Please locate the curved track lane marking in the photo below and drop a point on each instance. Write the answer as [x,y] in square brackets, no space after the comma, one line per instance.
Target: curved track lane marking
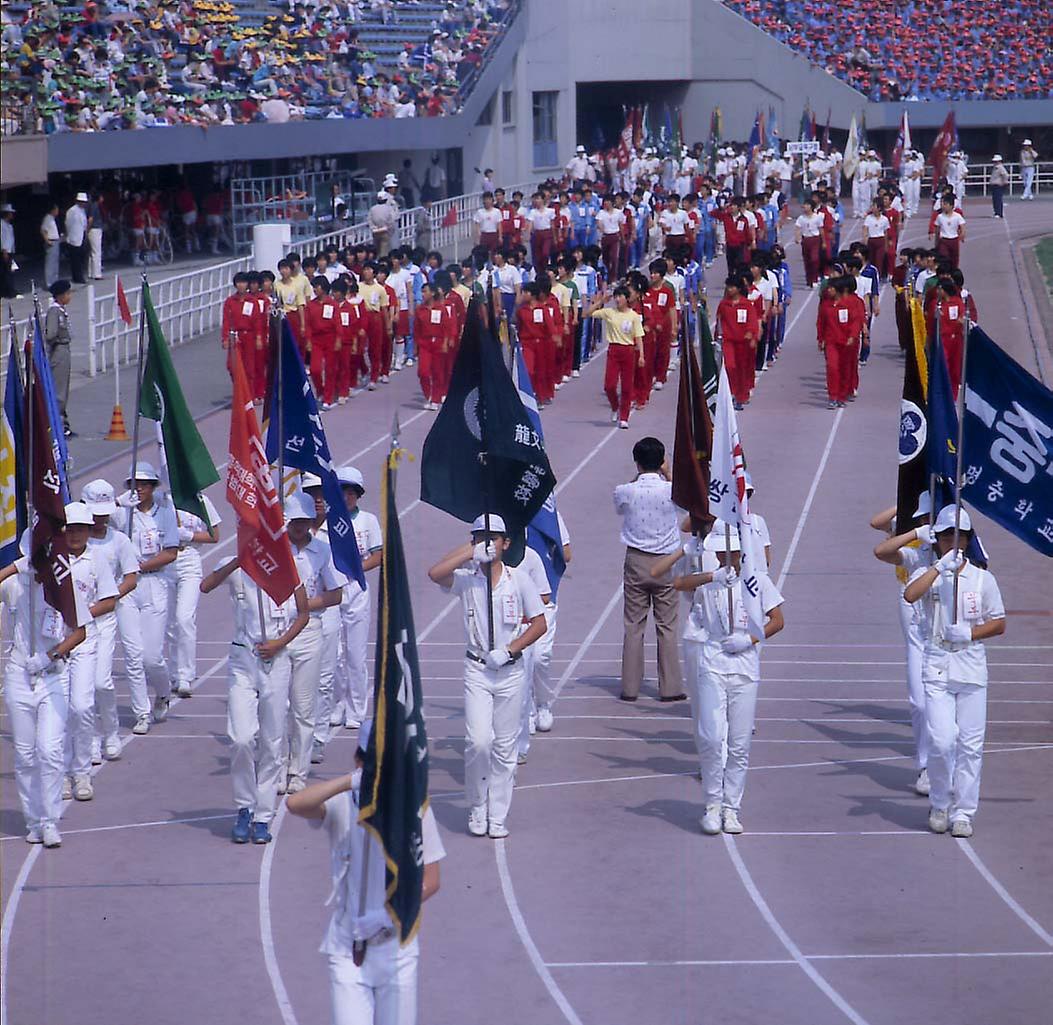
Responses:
[270,957]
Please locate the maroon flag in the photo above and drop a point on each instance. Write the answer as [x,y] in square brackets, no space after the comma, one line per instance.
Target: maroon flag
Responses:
[693,443]
[942,146]
[625,141]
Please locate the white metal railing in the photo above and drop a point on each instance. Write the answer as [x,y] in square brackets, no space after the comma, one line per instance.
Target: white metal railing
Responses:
[978,178]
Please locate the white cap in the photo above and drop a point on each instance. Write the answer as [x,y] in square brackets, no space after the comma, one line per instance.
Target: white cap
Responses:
[78,514]
[716,539]
[144,471]
[997,158]
[580,149]
[82,197]
[299,506]
[383,195]
[6,208]
[924,505]
[351,476]
[497,525]
[1027,142]
[310,480]
[365,731]
[945,520]
[97,495]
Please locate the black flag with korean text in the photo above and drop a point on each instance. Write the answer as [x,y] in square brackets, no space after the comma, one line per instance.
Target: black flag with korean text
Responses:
[913,424]
[483,414]
[394,793]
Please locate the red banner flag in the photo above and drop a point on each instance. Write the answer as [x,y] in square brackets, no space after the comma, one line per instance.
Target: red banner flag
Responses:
[625,141]
[122,304]
[264,552]
[450,218]
[942,146]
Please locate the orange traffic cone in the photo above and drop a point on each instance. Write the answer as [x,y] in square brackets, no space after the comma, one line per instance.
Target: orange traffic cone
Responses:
[118,432]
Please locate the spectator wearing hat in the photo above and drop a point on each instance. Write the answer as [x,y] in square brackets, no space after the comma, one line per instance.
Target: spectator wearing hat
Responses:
[77,237]
[999,181]
[1028,161]
[49,234]
[57,340]
[383,217]
[7,252]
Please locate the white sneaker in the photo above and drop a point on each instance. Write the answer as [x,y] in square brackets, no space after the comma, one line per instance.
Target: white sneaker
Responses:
[82,789]
[317,752]
[614,416]
[623,425]
[384,379]
[938,820]
[731,821]
[50,836]
[962,829]
[326,406]
[34,835]
[497,831]
[184,690]
[283,783]
[142,725]
[336,716]
[545,718]
[111,749]
[921,784]
[161,703]
[658,386]
[96,751]
[575,373]
[342,400]
[711,824]
[371,386]
[521,758]
[477,821]
[67,788]
[295,785]
[351,724]
[532,723]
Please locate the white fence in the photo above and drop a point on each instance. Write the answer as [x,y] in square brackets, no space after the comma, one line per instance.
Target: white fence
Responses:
[978,179]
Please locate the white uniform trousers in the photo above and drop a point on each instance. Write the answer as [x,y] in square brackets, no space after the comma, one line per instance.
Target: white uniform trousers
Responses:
[353,674]
[184,593]
[106,722]
[305,654]
[493,700]
[693,673]
[38,707]
[859,196]
[537,667]
[80,717]
[327,672]
[129,626]
[728,703]
[957,717]
[95,252]
[257,704]
[382,991]
[915,688]
[149,601]
[911,195]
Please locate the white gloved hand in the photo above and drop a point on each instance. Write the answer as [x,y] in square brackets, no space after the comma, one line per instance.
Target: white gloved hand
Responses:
[736,643]
[950,563]
[725,576]
[926,535]
[484,552]
[958,633]
[127,500]
[38,663]
[186,534]
[497,658]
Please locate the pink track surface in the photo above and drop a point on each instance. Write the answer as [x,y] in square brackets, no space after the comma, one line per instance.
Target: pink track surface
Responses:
[607,906]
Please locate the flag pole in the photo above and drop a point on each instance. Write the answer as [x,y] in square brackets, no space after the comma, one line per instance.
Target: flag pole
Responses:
[138,390]
[932,476]
[279,403]
[484,457]
[958,459]
[31,471]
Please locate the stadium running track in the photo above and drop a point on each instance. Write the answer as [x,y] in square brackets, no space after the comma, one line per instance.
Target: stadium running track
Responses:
[606,905]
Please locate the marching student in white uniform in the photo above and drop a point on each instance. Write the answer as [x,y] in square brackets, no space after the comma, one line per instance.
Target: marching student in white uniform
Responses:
[954,670]
[324,587]
[908,551]
[493,672]
[36,690]
[118,552]
[258,698]
[155,537]
[382,989]
[184,592]
[97,590]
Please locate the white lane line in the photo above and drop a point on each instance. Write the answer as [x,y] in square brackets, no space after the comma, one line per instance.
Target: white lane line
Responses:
[784,937]
[525,938]
[970,853]
[590,637]
[668,964]
[270,958]
[789,961]
[130,825]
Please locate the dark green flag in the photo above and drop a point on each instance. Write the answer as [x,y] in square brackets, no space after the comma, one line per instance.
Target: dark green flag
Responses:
[190,467]
[483,413]
[394,794]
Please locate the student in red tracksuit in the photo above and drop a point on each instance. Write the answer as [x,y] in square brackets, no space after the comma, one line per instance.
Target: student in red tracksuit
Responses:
[553,350]
[458,314]
[666,325]
[432,331]
[322,321]
[738,234]
[857,329]
[738,326]
[534,325]
[350,337]
[654,303]
[258,381]
[950,311]
[244,325]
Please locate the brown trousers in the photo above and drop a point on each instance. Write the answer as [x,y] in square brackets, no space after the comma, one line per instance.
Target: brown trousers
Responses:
[643,593]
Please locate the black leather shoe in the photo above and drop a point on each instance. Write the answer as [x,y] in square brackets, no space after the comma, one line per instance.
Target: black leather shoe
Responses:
[675,697]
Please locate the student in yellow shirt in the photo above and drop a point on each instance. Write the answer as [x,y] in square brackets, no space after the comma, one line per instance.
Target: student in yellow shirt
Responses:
[375,298]
[293,303]
[624,331]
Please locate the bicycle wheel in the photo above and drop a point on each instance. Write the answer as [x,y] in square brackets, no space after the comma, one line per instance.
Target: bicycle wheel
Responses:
[165,252]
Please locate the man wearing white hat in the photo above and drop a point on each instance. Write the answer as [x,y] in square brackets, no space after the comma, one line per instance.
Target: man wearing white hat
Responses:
[7,252]
[258,700]
[155,537]
[579,170]
[116,550]
[379,987]
[497,632]
[959,607]
[36,690]
[97,590]
[76,225]
[999,180]
[1028,162]
[324,587]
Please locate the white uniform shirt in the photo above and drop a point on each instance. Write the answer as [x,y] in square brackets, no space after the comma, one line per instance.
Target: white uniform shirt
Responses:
[979,601]
[650,520]
[610,221]
[674,222]
[196,523]
[347,846]
[515,599]
[534,568]
[370,539]
[695,560]
[489,221]
[810,225]
[401,281]
[540,219]
[93,580]
[117,551]
[714,619]
[153,531]
[47,627]
[876,226]
[949,225]
[314,563]
[76,225]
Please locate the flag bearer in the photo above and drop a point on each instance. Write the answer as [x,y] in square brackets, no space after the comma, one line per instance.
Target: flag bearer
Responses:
[36,689]
[119,554]
[380,989]
[258,699]
[959,607]
[493,669]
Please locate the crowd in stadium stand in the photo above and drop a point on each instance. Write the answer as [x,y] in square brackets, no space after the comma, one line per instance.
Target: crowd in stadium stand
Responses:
[919,49]
[118,64]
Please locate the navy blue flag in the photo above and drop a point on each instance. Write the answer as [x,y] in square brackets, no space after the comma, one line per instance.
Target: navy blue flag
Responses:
[296,427]
[42,373]
[543,533]
[1008,444]
[942,447]
[14,479]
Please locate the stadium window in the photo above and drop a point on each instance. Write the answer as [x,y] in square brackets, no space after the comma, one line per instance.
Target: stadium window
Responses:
[545,152]
[486,115]
[508,114]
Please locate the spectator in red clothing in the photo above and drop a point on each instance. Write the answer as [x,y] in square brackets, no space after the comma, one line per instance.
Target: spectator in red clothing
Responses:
[948,313]
[322,321]
[245,326]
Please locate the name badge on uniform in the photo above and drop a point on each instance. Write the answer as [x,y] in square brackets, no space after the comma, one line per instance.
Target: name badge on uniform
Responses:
[539,315]
[345,319]
[662,298]
[510,609]
[741,316]
[51,626]
[327,313]
[435,316]
[149,542]
[627,327]
[247,308]
[971,605]
[952,312]
[842,316]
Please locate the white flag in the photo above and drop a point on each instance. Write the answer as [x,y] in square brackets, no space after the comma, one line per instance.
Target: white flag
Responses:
[850,162]
[728,500]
